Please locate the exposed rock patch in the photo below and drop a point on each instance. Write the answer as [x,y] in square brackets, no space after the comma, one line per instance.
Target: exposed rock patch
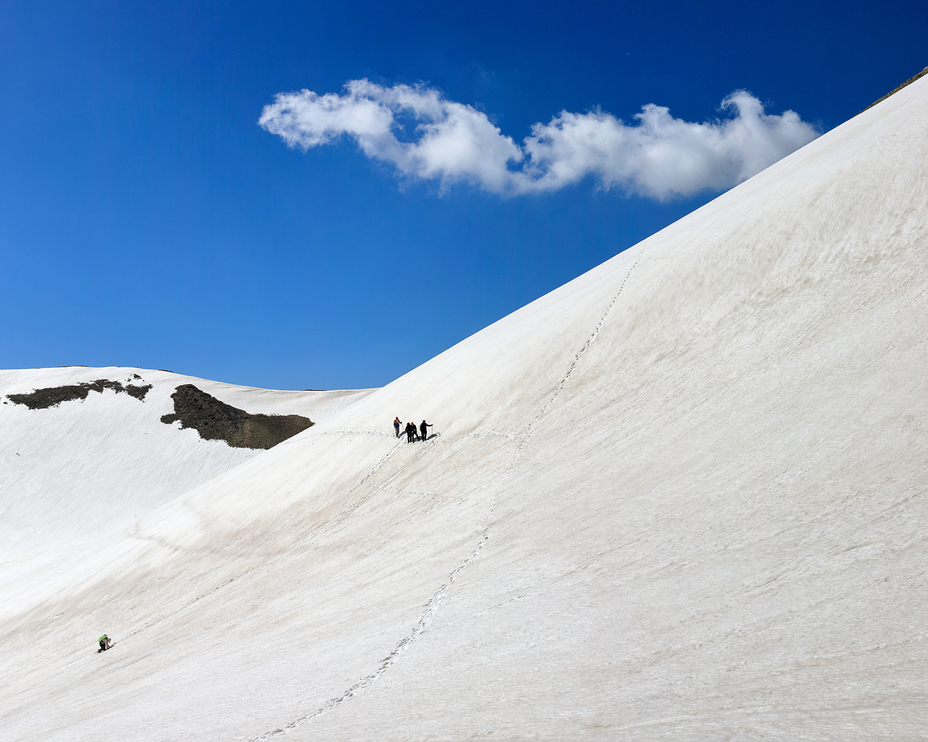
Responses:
[893,92]
[215,420]
[42,399]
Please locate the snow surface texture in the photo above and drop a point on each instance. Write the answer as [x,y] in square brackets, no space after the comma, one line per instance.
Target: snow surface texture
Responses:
[681,497]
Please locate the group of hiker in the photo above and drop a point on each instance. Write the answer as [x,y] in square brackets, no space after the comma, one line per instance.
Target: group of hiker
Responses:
[412,432]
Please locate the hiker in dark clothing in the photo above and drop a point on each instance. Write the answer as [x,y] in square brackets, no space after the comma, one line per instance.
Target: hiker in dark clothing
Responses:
[423,430]
[410,432]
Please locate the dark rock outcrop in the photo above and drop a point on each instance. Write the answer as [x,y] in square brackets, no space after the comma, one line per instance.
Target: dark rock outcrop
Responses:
[41,399]
[215,420]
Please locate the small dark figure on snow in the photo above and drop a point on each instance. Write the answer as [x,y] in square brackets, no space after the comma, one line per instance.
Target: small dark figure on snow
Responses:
[411,434]
[423,430]
[105,643]
[396,426]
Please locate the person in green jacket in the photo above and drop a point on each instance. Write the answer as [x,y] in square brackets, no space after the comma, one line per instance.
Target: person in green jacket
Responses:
[104,643]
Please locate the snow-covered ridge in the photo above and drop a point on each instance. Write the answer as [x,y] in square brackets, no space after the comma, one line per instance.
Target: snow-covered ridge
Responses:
[82,464]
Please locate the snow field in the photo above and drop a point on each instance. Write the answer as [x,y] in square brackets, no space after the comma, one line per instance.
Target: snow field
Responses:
[682,496]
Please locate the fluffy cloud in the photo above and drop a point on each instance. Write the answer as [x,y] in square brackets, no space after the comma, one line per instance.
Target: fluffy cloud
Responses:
[425,136]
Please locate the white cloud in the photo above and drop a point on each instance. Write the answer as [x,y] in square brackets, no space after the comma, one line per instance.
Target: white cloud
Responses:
[428,137]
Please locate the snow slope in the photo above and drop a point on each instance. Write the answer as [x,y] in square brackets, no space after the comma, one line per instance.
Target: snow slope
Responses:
[682,496]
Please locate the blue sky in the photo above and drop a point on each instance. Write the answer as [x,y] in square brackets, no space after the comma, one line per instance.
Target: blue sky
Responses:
[148,219]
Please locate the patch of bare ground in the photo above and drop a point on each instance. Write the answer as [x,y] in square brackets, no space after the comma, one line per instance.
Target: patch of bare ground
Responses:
[215,420]
[893,92]
[42,399]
